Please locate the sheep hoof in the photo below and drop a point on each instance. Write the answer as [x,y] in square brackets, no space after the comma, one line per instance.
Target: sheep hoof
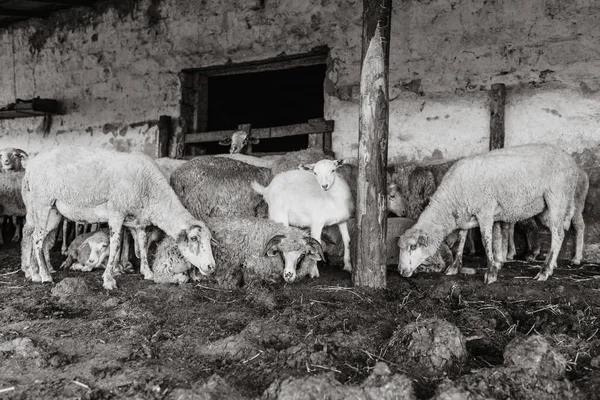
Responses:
[490,278]
[45,278]
[36,278]
[64,252]
[16,239]
[467,271]
[576,261]
[348,268]
[109,283]
[452,270]
[150,276]
[541,276]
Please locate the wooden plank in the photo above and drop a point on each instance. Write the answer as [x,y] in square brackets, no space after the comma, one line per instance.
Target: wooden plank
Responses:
[307,128]
[371,214]
[200,103]
[164,135]
[497,103]
[315,57]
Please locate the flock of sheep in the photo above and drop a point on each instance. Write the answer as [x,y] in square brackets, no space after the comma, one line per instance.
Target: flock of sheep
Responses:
[237,219]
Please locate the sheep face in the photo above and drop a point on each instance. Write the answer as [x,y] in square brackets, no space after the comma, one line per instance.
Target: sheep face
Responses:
[238,141]
[293,252]
[194,245]
[98,252]
[12,159]
[414,249]
[395,200]
[324,170]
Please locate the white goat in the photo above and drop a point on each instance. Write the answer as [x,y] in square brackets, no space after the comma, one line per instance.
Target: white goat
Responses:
[311,200]
[506,185]
[101,185]
[239,142]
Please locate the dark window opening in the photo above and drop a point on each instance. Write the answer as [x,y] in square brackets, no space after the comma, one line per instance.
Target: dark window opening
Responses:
[264,99]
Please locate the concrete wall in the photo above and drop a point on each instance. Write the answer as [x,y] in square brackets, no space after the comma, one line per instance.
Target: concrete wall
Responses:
[116,69]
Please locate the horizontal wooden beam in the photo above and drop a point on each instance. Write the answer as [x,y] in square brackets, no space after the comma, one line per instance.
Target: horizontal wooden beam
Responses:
[307,128]
[83,3]
[315,57]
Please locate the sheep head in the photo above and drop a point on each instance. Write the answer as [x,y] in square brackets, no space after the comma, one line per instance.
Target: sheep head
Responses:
[194,243]
[293,252]
[99,250]
[395,200]
[12,159]
[415,247]
[324,170]
[238,141]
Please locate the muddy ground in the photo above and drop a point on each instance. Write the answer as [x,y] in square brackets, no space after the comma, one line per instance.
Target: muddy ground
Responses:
[150,341]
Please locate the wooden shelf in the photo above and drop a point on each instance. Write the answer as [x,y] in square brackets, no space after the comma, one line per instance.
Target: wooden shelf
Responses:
[30,108]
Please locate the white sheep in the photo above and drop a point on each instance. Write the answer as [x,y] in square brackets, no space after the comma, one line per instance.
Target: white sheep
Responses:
[507,185]
[248,250]
[264,162]
[88,251]
[240,142]
[13,160]
[311,200]
[11,200]
[100,185]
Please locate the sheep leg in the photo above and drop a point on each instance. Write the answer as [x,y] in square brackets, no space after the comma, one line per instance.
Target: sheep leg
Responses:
[125,264]
[457,265]
[17,236]
[142,246]
[557,226]
[531,233]
[346,239]
[116,233]
[486,225]
[65,235]
[511,250]
[48,244]
[471,242]
[579,226]
[315,233]
[136,244]
[26,249]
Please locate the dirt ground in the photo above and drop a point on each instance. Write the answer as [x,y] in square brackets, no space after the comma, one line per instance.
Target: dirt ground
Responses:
[150,341]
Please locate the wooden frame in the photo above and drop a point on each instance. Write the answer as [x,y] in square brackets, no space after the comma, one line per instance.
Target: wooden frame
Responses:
[194,102]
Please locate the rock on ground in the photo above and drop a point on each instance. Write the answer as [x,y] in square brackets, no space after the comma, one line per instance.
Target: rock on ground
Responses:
[71,287]
[431,347]
[536,355]
[216,388]
[381,384]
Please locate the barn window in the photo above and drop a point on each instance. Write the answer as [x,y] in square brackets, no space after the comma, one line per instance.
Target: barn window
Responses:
[280,101]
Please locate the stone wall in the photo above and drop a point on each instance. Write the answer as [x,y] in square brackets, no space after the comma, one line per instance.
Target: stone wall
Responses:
[115,68]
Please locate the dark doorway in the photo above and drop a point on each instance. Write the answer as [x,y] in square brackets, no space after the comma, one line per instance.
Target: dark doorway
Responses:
[263,99]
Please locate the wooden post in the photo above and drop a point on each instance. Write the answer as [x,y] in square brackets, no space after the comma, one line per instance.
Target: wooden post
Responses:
[246,128]
[371,214]
[497,102]
[164,136]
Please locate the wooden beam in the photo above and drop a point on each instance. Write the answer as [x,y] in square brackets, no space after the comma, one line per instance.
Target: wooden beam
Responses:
[497,103]
[371,214]
[164,135]
[75,3]
[307,128]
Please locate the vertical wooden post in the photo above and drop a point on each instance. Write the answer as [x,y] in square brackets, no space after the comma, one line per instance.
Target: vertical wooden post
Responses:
[497,102]
[246,128]
[371,214]
[164,136]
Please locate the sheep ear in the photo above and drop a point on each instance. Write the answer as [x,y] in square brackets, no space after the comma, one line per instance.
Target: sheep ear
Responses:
[340,162]
[422,240]
[315,251]
[272,246]
[225,142]
[254,140]
[306,167]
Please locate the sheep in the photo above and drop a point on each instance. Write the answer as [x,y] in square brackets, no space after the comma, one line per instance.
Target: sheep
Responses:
[315,200]
[219,187]
[507,185]
[248,250]
[11,200]
[87,251]
[264,162]
[97,185]
[13,160]
[240,142]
